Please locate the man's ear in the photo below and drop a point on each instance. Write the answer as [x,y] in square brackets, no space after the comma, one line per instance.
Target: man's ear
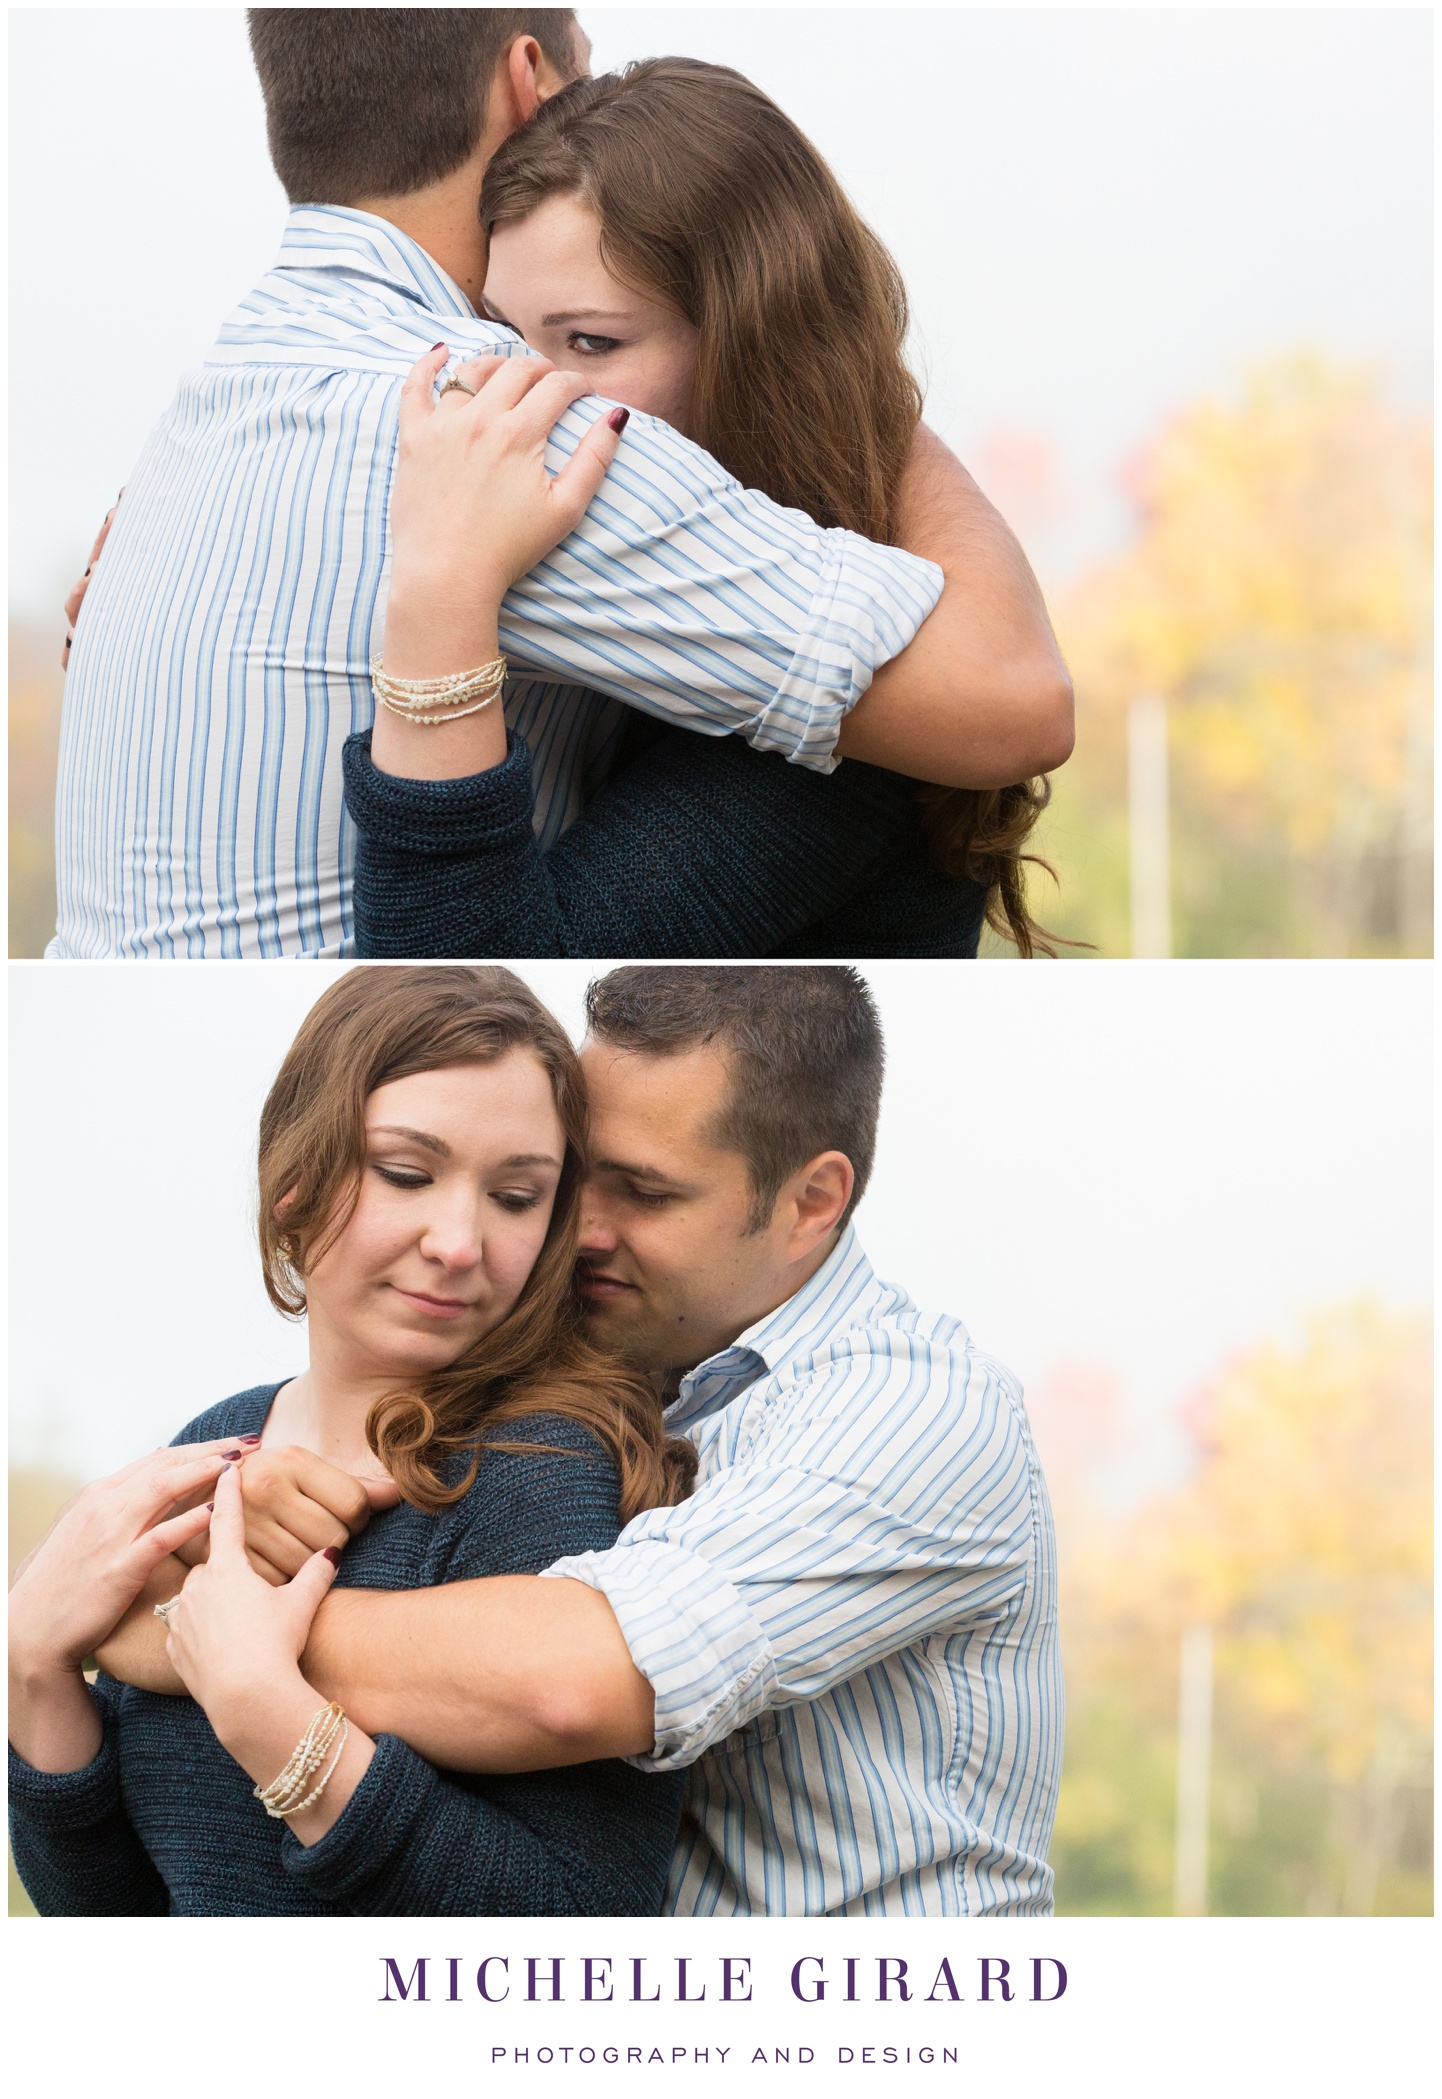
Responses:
[530,79]
[819,1193]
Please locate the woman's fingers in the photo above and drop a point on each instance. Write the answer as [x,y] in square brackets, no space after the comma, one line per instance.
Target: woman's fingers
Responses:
[417,394]
[471,377]
[510,382]
[310,1586]
[227,1522]
[171,1476]
[168,1537]
[585,470]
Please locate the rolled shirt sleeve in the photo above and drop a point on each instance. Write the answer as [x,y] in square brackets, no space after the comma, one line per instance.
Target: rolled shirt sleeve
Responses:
[886,1497]
[707,604]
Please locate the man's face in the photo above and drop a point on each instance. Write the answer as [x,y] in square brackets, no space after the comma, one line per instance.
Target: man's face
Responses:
[670,1267]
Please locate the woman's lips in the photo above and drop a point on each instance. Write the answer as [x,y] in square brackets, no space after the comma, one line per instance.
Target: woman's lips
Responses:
[435,1307]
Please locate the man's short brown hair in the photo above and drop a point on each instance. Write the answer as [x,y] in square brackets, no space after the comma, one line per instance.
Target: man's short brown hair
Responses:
[805,1049]
[380,101]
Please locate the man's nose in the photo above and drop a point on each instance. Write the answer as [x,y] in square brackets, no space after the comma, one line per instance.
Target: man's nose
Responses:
[598,1234]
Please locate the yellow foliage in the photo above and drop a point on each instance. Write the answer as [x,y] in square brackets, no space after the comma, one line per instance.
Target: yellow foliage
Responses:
[1304,1539]
[1278,596]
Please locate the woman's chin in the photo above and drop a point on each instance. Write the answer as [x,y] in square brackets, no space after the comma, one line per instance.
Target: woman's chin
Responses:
[407,1352]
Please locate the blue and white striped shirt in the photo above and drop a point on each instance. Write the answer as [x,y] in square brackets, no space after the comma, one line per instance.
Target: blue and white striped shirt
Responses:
[851,1626]
[221,656]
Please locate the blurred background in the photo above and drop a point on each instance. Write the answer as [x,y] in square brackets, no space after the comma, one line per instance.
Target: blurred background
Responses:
[1172,294]
[1190,1207]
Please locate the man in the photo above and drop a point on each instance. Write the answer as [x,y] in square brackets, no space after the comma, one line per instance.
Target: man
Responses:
[221,656]
[847,1635]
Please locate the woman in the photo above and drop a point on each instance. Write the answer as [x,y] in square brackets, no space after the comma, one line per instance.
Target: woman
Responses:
[668,234]
[420,1163]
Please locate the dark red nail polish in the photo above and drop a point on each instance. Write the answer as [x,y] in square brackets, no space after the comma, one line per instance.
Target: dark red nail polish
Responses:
[332,1553]
[230,1453]
[437,346]
[618,419]
[211,1506]
[226,1468]
[250,1439]
[87,572]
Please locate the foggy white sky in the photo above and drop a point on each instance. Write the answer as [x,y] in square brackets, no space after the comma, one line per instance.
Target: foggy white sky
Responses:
[1138,1167]
[1100,214]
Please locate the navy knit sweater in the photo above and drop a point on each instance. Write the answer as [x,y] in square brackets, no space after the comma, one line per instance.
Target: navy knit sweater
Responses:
[697,847]
[164,1820]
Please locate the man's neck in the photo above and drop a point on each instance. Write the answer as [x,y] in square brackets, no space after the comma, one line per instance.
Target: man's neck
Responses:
[794,1278]
[444,219]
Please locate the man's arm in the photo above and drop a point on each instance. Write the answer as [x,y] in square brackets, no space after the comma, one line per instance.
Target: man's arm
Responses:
[981,697]
[707,604]
[513,1673]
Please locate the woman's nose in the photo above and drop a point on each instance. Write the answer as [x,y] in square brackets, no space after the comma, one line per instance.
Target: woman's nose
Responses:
[452,1235]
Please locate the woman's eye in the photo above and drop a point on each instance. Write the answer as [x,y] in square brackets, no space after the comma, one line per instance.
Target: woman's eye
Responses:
[403,1176]
[593,345]
[516,1201]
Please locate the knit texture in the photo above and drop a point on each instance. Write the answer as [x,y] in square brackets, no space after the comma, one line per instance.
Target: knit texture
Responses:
[164,1820]
[698,846]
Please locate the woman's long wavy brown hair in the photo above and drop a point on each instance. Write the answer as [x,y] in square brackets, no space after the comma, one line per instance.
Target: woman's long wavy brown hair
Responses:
[379,1024]
[710,198]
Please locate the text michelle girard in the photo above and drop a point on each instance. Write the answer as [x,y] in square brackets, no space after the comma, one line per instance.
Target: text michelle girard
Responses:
[514,1979]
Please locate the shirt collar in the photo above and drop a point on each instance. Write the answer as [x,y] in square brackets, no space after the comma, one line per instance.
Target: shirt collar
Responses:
[358,245]
[804,1323]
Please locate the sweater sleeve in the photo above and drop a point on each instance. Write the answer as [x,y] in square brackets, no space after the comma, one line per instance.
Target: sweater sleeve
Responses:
[595,1840]
[699,847]
[74,1847]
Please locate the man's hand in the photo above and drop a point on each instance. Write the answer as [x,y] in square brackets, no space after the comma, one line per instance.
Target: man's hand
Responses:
[77,596]
[296,1505]
[291,1497]
[981,697]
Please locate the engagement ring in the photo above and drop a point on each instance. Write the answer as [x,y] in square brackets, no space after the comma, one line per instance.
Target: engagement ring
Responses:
[163,1611]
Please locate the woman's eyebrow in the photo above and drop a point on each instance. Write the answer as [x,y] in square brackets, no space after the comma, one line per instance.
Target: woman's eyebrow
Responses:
[532,1159]
[421,1137]
[583,313]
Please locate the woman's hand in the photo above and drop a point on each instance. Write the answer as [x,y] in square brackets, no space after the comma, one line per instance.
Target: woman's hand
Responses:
[234,1636]
[80,1581]
[235,1640]
[472,508]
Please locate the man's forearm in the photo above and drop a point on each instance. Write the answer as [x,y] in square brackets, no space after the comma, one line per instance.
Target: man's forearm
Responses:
[514,1673]
[981,697]
[134,1653]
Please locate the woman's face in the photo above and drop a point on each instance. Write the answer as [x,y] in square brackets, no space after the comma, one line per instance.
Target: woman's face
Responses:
[455,1197]
[547,280]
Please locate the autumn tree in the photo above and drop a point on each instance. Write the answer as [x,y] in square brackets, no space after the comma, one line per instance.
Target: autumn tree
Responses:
[1278,597]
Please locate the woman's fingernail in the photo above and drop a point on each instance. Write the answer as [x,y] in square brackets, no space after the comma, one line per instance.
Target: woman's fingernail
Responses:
[227,1468]
[250,1439]
[436,346]
[332,1553]
[87,572]
[618,419]
[230,1453]
[211,1506]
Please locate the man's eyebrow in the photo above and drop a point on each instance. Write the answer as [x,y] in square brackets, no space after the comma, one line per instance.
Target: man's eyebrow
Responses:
[636,1171]
[421,1137]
